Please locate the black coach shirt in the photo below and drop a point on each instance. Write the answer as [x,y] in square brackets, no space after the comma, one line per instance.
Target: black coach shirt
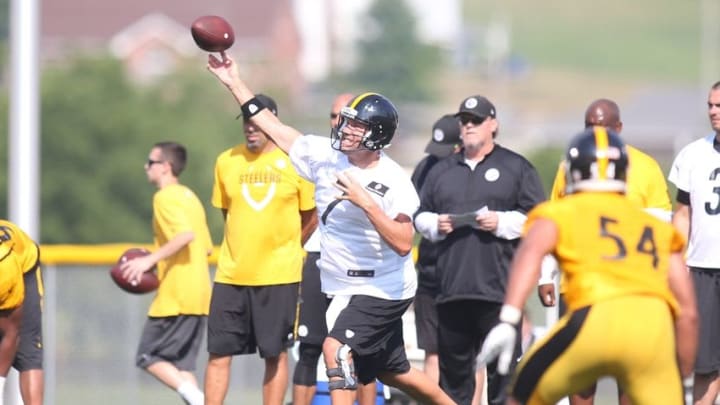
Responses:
[471,263]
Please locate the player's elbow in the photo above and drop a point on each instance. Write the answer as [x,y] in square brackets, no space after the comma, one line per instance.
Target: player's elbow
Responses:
[403,249]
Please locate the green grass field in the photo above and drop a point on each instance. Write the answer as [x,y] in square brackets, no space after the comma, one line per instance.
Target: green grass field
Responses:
[641,39]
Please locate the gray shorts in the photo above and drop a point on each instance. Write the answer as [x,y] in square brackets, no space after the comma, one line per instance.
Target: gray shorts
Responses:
[175,339]
[707,291]
[426,322]
[29,354]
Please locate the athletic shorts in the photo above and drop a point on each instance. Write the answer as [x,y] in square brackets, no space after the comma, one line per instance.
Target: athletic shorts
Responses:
[707,292]
[605,339]
[175,339]
[313,304]
[373,329]
[244,319]
[29,354]
[426,322]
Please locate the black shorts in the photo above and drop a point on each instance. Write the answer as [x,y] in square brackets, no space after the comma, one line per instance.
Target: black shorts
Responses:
[312,328]
[707,291]
[426,322]
[29,354]
[244,319]
[175,339]
[373,328]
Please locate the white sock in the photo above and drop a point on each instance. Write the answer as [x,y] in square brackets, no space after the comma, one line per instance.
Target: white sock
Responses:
[190,393]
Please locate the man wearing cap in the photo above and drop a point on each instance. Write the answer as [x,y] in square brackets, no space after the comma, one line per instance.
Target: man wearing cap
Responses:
[473,204]
[444,142]
[267,207]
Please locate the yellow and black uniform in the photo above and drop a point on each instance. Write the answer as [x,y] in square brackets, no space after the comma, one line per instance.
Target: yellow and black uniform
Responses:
[263,195]
[26,257]
[645,188]
[615,258]
[184,277]
[18,255]
[177,316]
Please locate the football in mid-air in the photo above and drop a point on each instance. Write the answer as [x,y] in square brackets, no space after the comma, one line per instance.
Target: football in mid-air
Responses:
[212,33]
[149,281]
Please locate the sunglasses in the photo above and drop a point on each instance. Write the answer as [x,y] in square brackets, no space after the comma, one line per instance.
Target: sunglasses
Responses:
[151,162]
[333,115]
[464,119]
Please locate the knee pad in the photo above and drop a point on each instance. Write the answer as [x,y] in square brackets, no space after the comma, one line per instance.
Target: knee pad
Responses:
[306,368]
[345,370]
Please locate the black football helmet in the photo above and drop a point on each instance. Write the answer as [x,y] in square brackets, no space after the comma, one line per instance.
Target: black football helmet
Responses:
[596,160]
[373,110]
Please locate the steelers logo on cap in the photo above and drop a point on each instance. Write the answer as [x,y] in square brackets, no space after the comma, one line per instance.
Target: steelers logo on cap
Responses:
[438,135]
[471,103]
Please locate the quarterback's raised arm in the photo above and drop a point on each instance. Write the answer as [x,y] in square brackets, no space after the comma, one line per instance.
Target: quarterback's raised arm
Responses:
[226,71]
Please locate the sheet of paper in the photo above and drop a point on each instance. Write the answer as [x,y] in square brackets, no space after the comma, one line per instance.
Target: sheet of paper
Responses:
[467,219]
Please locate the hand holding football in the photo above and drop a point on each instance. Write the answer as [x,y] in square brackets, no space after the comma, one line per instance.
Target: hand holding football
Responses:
[212,33]
[149,281]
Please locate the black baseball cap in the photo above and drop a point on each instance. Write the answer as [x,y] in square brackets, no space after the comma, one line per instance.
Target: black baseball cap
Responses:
[268,102]
[445,136]
[477,106]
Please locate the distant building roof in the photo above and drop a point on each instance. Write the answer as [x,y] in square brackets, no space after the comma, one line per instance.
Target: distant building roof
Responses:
[151,35]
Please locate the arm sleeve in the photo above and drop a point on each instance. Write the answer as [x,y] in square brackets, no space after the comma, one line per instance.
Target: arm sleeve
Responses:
[510,224]
[426,219]
[305,152]
[171,216]
[531,189]
[306,195]
[548,270]
[426,225]
[678,172]
[219,198]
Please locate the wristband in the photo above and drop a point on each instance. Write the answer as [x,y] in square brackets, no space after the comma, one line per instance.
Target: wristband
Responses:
[510,314]
[251,107]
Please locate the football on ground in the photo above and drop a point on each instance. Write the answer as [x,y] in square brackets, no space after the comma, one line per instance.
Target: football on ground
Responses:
[149,281]
[212,33]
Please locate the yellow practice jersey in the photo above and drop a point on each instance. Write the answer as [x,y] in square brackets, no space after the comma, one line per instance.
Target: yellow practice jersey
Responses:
[263,196]
[184,277]
[608,247]
[646,186]
[18,254]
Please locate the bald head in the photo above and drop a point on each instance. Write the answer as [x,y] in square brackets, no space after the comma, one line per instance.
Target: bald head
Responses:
[603,112]
[340,101]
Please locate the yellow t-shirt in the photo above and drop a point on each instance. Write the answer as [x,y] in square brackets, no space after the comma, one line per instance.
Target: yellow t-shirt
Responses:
[263,196]
[608,247]
[18,254]
[646,185]
[184,277]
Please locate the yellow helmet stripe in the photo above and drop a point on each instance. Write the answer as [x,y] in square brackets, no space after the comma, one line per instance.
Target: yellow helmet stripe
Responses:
[601,145]
[360,98]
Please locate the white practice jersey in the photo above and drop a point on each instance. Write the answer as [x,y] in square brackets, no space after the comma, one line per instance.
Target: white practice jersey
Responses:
[696,170]
[354,259]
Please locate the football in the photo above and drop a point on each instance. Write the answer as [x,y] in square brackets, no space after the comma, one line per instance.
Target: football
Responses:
[149,281]
[212,33]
